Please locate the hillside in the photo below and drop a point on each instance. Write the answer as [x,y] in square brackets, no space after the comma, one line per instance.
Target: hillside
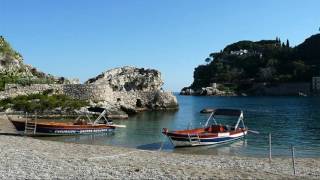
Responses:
[309,50]
[13,69]
[245,63]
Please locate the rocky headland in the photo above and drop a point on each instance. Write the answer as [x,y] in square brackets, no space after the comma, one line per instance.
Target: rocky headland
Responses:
[13,70]
[122,91]
[131,90]
[266,67]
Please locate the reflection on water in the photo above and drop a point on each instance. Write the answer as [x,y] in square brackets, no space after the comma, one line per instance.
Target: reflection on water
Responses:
[291,120]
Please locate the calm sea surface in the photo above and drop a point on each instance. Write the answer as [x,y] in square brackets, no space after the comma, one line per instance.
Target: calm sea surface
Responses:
[291,121]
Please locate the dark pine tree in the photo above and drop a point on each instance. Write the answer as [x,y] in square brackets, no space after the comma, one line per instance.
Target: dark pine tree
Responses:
[287,45]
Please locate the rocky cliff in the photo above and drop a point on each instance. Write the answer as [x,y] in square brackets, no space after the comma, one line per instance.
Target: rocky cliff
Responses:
[131,89]
[242,66]
[13,69]
[129,79]
[11,61]
[120,90]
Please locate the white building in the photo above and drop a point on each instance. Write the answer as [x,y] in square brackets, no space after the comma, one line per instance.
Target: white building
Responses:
[240,52]
[316,84]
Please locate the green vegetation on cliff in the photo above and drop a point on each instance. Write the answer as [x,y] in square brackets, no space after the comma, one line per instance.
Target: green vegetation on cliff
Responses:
[42,102]
[6,49]
[247,62]
[14,71]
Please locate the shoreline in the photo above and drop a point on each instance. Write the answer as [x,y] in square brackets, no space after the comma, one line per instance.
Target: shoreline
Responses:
[41,159]
[30,158]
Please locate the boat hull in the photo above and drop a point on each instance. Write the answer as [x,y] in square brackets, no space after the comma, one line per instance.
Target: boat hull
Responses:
[183,140]
[62,129]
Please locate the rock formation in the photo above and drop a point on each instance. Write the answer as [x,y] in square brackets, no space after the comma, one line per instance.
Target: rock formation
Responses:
[121,91]
[125,89]
[13,69]
[253,67]
[131,90]
[206,91]
[129,79]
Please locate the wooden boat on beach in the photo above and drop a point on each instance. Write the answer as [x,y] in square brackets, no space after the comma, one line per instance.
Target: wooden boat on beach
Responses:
[32,127]
[211,133]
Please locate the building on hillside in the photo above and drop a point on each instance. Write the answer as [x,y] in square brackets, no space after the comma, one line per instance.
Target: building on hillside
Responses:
[240,52]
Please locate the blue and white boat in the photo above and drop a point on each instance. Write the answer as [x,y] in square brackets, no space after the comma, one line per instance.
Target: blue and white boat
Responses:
[211,133]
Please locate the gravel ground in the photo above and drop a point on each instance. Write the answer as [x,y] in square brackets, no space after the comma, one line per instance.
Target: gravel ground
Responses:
[29,158]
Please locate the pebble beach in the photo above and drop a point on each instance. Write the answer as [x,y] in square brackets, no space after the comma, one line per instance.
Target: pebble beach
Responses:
[29,158]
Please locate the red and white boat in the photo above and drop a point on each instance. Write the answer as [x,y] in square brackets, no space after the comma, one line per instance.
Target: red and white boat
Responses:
[211,133]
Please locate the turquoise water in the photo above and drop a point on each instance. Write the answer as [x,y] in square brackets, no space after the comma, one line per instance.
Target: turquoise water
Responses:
[291,121]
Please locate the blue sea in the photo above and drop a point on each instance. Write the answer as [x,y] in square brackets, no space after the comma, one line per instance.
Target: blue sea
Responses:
[292,121]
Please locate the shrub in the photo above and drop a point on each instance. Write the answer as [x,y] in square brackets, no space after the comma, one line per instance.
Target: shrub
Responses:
[42,102]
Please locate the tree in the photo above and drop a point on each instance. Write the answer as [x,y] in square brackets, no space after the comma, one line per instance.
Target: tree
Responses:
[214,55]
[266,74]
[299,68]
[207,60]
[287,44]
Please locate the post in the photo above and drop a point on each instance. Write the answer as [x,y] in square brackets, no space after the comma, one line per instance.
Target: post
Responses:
[270,149]
[161,145]
[35,123]
[293,162]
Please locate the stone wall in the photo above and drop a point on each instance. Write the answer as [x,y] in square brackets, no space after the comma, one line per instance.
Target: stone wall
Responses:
[102,94]
[13,90]
[87,91]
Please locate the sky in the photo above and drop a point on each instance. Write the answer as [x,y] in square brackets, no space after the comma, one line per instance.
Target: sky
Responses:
[82,38]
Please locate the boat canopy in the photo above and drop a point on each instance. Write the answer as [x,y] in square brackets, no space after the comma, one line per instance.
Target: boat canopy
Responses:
[227,112]
[96,109]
